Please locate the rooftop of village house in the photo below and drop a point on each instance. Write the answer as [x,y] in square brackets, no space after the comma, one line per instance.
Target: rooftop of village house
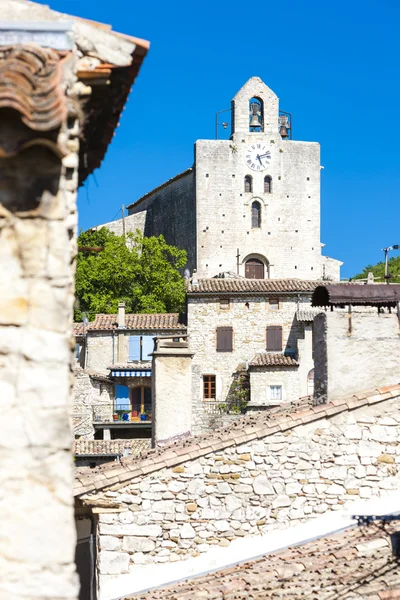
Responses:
[357,562]
[241,285]
[245,429]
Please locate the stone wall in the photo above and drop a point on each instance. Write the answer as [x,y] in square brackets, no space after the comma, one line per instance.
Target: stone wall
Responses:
[367,357]
[93,401]
[249,338]
[261,378]
[270,483]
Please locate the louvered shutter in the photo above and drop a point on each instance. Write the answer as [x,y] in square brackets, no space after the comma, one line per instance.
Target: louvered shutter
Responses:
[147,347]
[224,339]
[274,338]
[134,347]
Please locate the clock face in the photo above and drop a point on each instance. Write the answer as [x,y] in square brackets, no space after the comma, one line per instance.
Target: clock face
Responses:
[257,157]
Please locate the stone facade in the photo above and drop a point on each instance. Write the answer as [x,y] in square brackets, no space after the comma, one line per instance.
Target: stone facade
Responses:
[249,316]
[269,482]
[207,211]
[365,356]
[94,398]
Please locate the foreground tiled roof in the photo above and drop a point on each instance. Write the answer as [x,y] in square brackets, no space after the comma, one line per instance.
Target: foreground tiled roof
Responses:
[357,564]
[78,329]
[242,285]
[273,360]
[133,321]
[244,430]
[123,447]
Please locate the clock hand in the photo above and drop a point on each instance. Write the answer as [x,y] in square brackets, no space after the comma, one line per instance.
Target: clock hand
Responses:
[263,155]
[259,159]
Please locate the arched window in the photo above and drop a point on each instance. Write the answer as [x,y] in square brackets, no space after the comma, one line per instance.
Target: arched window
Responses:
[256,115]
[248,183]
[254,269]
[310,383]
[256,214]
[267,184]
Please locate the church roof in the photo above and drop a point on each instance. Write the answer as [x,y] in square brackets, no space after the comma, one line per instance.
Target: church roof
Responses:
[160,187]
[252,286]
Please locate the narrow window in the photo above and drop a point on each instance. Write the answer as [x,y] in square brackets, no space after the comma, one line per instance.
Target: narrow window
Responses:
[224,339]
[256,115]
[274,338]
[224,304]
[248,183]
[310,383]
[267,184]
[134,347]
[275,393]
[256,215]
[208,387]
[147,347]
[274,304]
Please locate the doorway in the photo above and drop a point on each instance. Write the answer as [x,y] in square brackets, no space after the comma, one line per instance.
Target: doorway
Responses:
[254,269]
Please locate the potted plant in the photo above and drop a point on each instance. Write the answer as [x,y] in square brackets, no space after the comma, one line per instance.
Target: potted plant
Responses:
[115,417]
[142,416]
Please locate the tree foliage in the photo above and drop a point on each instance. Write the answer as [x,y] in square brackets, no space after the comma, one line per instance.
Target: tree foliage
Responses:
[378,271]
[141,271]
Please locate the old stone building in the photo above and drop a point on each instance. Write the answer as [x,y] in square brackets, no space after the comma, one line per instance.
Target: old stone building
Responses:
[63,84]
[250,204]
[113,374]
[225,497]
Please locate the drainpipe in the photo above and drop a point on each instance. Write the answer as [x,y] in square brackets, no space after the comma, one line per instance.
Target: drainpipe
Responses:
[121,326]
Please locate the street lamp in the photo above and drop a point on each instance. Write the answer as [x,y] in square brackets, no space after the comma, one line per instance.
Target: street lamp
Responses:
[386,251]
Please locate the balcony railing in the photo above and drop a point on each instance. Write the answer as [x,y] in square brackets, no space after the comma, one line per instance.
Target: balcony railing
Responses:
[107,413]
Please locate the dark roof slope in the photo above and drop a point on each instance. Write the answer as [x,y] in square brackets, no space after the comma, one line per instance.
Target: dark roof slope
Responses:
[356,563]
[356,294]
[273,360]
[249,286]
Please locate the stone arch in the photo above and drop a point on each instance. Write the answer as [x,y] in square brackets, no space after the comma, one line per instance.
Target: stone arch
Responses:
[256,266]
[310,382]
[256,114]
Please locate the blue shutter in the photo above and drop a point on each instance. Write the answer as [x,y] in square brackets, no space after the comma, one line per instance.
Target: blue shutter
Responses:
[134,347]
[147,347]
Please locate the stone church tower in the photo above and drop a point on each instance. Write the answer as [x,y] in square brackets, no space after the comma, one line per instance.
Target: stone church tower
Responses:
[250,205]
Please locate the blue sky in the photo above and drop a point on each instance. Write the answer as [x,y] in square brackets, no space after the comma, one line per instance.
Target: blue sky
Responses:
[334,66]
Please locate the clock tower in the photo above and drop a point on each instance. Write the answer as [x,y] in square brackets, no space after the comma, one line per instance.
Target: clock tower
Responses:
[258,196]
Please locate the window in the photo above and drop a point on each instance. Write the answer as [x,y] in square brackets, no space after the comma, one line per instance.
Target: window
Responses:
[224,304]
[256,214]
[274,338]
[140,347]
[224,339]
[248,183]
[310,383]
[256,115]
[267,184]
[122,397]
[209,387]
[275,393]
[274,304]
[254,269]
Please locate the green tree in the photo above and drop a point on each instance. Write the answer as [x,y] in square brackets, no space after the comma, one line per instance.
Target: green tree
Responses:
[378,271]
[141,271]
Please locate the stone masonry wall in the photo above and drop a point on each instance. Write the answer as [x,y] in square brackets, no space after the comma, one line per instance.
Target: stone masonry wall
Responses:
[271,483]
[93,401]
[262,378]
[249,338]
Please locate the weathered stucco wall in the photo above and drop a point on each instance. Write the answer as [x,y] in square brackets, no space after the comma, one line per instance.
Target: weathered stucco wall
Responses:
[270,483]
[367,357]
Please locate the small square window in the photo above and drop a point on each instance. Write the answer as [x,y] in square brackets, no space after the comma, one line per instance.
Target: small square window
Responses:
[224,303]
[274,304]
[209,387]
[275,393]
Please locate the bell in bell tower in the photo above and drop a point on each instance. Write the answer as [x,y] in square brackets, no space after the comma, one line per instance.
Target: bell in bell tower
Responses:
[255,109]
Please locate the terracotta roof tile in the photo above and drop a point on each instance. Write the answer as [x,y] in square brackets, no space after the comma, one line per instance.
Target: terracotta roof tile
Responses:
[266,359]
[138,321]
[78,329]
[250,286]
[327,568]
[244,429]
[123,447]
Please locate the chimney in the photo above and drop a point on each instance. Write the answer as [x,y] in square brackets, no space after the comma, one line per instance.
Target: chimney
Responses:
[121,315]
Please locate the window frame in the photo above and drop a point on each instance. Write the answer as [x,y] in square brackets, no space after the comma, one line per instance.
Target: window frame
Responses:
[268,179]
[274,304]
[270,345]
[270,398]
[224,304]
[259,214]
[209,380]
[248,180]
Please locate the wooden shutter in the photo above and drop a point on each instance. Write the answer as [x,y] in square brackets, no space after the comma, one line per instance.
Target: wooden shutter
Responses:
[224,339]
[134,347]
[274,338]
[147,347]
[254,269]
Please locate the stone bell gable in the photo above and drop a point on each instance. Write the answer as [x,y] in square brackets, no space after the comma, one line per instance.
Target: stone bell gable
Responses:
[260,475]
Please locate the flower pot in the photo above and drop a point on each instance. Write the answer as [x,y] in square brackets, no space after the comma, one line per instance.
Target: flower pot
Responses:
[143,417]
[115,417]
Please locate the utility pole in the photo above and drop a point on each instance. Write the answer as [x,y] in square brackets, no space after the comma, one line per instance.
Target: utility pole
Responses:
[386,251]
[123,220]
